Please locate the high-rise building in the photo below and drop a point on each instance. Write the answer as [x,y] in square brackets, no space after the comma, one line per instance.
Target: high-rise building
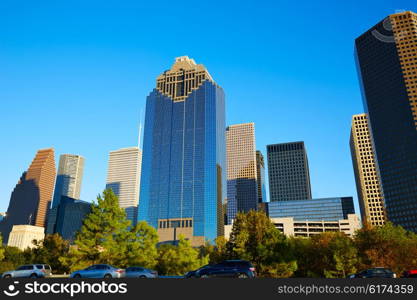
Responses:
[69,177]
[386,57]
[368,184]
[32,196]
[288,172]
[69,216]
[22,236]
[260,177]
[242,189]
[183,185]
[321,209]
[123,177]
[2,216]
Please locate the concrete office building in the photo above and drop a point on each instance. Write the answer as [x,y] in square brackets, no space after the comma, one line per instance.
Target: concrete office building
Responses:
[183,184]
[242,184]
[386,57]
[123,177]
[22,236]
[288,172]
[307,228]
[368,184]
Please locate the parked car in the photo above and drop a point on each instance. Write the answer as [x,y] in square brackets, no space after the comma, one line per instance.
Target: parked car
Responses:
[374,273]
[410,274]
[139,272]
[227,268]
[99,271]
[30,271]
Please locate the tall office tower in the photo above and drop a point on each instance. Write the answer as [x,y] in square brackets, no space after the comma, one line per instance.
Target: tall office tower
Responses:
[242,188]
[368,185]
[123,177]
[260,177]
[289,177]
[69,178]
[183,186]
[32,196]
[386,57]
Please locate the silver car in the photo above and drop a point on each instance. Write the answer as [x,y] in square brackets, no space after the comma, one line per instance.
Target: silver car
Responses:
[29,271]
[139,272]
[99,271]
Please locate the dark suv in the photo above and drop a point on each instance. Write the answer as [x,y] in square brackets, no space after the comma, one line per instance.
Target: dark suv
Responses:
[374,273]
[227,268]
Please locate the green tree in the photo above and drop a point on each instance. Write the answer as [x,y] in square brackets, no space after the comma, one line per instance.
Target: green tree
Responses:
[255,238]
[216,252]
[140,247]
[1,248]
[179,259]
[13,257]
[49,251]
[108,237]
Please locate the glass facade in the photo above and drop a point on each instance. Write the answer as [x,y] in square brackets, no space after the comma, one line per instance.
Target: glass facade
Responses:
[67,218]
[324,209]
[184,159]
[391,112]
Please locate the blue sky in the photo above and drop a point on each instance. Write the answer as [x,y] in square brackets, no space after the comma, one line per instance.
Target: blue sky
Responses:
[74,75]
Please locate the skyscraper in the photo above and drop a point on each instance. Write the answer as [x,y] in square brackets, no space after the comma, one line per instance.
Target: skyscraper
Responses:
[386,57]
[69,178]
[32,196]
[183,185]
[242,189]
[368,185]
[260,177]
[123,177]
[288,172]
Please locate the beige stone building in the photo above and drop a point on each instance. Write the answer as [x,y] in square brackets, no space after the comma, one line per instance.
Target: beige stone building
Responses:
[123,177]
[306,228]
[22,236]
[368,183]
[242,185]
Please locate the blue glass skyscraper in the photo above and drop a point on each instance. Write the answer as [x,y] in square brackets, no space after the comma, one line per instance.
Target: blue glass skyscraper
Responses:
[183,181]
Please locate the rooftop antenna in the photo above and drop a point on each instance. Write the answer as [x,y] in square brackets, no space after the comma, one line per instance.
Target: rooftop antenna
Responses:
[140,129]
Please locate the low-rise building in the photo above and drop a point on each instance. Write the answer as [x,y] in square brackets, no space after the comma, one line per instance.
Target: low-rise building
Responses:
[306,228]
[22,236]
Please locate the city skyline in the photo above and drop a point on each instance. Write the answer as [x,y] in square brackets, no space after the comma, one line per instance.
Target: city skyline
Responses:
[320,155]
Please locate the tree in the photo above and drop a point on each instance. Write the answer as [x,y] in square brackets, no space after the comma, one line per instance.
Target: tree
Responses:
[217,252]
[140,247]
[387,246]
[329,254]
[1,248]
[13,257]
[49,251]
[255,238]
[108,237]
[177,260]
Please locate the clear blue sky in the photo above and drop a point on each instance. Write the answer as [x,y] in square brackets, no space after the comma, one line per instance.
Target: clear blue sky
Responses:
[74,75]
